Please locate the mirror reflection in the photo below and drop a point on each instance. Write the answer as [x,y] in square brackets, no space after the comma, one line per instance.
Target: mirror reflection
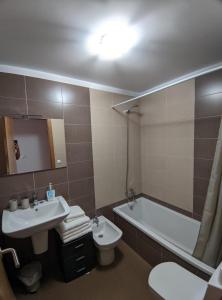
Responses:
[28,144]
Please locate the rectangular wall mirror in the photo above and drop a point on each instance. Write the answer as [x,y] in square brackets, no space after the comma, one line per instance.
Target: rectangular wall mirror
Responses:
[28,144]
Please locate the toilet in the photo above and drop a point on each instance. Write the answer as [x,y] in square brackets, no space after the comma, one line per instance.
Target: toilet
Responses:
[170,281]
[106,236]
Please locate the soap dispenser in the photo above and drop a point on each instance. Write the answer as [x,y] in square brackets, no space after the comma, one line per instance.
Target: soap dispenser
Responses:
[50,193]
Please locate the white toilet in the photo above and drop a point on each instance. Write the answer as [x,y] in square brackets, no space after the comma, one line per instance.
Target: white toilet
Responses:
[170,281]
[106,236]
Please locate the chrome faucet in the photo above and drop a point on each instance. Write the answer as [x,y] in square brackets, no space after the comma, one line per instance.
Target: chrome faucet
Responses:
[96,221]
[34,200]
[131,198]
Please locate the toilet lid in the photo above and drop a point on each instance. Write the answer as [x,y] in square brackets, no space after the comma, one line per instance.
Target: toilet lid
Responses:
[173,282]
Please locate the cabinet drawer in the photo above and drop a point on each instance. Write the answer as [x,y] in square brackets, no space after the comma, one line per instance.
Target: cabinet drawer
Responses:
[75,247]
[74,273]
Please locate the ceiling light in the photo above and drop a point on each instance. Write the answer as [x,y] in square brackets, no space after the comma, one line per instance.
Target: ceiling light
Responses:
[112,40]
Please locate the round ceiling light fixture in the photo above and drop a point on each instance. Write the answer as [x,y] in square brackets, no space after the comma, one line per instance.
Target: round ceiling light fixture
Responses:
[112,40]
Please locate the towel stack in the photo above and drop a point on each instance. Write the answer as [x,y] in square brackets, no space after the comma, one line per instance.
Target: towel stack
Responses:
[76,224]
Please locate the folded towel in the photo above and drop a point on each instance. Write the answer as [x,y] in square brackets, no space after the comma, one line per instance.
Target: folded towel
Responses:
[75,236]
[75,212]
[73,230]
[63,226]
[76,232]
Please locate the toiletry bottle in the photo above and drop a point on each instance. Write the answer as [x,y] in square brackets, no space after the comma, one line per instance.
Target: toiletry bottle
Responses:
[50,193]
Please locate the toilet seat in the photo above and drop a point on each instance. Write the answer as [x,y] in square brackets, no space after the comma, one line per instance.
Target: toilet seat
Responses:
[172,282]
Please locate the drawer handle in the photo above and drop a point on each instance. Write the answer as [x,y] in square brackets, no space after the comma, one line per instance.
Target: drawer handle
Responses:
[81,269]
[80,258]
[79,246]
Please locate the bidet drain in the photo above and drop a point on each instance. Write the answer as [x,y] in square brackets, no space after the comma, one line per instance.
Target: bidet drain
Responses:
[100,235]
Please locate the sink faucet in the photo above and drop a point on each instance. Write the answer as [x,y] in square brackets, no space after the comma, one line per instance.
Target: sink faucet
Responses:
[96,221]
[34,200]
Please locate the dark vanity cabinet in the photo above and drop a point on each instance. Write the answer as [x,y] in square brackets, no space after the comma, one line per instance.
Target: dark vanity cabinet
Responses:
[77,257]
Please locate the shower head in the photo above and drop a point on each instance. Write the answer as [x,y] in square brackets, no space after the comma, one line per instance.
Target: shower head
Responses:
[131,111]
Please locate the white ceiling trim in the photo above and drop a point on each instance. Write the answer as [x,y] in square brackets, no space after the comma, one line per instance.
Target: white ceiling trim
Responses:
[180,79]
[64,79]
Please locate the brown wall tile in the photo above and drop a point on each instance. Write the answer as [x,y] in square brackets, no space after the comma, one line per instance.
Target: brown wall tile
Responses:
[12,86]
[208,106]
[208,109]
[204,148]
[79,152]
[12,106]
[209,84]
[207,128]
[46,109]
[73,94]
[150,254]
[80,170]
[43,178]
[198,206]
[81,188]
[78,133]
[129,232]
[200,187]
[15,184]
[74,114]
[43,90]
[45,98]
[202,168]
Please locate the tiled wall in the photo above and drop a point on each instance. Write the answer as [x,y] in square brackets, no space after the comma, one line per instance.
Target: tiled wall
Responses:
[109,149]
[208,111]
[167,145]
[26,95]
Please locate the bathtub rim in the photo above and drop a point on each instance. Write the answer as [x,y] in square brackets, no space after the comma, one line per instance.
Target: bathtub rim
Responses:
[163,242]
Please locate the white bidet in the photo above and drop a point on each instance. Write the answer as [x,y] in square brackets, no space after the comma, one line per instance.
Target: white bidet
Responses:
[106,236]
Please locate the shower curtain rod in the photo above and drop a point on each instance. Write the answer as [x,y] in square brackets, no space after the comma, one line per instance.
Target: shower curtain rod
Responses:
[167,84]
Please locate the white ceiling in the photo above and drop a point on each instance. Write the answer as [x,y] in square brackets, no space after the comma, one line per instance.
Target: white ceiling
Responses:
[176,37]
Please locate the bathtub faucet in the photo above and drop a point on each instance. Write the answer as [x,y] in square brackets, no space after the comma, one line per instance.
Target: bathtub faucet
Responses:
[131,197]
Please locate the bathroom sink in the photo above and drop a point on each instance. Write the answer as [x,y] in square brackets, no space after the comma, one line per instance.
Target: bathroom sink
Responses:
[24,223]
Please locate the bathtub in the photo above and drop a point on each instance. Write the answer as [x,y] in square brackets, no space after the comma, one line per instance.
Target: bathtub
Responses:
[172,230]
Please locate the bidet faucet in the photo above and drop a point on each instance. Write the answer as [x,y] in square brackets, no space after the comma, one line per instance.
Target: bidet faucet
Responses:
[96,221]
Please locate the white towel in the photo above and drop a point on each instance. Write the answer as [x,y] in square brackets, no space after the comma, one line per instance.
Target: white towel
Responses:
[75,212]
[63,226]
[76,232]
[75,236]
[73,230]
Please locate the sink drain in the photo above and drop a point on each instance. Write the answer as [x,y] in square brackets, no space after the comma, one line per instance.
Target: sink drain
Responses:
[100,235]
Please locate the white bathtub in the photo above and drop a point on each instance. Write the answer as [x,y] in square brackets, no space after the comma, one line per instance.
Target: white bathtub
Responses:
[172,230]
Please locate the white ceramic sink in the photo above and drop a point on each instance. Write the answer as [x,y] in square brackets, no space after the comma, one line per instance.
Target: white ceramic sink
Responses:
[35,222]
[24,223]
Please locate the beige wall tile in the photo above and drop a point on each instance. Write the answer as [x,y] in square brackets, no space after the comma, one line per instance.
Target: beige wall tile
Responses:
[109,148]
[161,146]
[180,101]
[153,109]
[179,147]
[167,145]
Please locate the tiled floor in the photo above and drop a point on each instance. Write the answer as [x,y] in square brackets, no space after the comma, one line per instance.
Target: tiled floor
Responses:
[125,280]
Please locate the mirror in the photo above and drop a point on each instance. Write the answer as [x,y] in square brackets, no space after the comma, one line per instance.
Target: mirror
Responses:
[28,144]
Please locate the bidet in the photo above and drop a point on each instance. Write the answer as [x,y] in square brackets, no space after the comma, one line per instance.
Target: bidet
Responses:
[106,236]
